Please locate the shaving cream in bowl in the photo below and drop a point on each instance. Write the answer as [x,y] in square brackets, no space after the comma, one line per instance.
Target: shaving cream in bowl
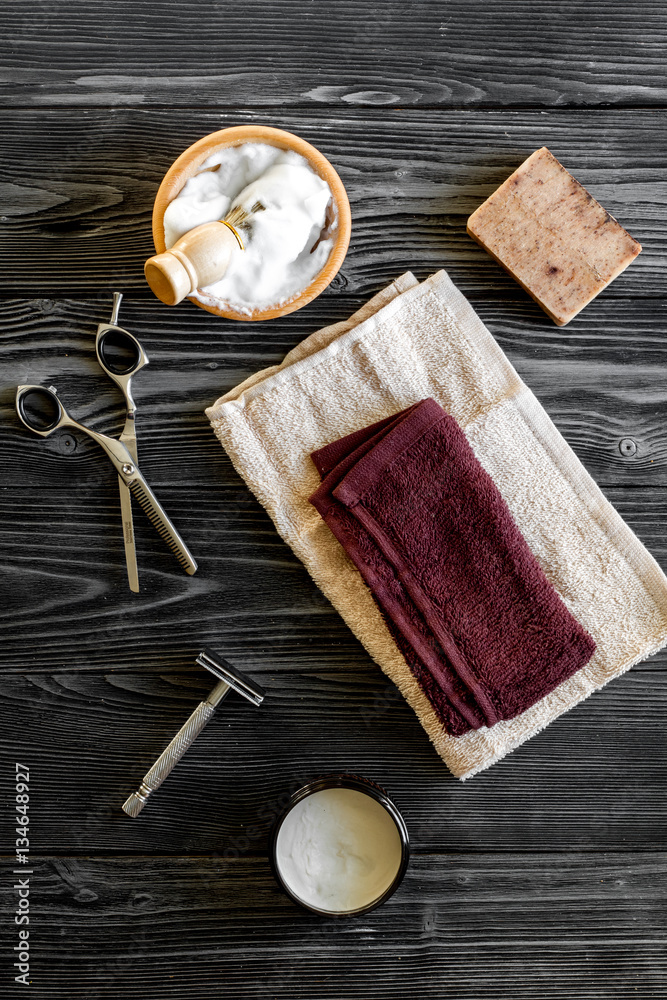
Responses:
[292,248]
[341,846]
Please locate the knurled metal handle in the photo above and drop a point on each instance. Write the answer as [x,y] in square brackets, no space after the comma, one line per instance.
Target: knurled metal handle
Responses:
[162,767]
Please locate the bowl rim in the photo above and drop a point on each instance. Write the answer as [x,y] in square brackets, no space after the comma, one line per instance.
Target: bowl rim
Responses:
[359,784]
[188,164]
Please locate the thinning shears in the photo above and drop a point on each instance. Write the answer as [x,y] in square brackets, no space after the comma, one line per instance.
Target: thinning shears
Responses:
[121,356]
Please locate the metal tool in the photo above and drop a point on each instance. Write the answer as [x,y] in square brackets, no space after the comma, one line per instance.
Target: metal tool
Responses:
[121,356]
[42,412]
[229,678]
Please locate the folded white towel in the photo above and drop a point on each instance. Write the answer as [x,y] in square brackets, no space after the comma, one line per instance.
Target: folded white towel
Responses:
[410,342]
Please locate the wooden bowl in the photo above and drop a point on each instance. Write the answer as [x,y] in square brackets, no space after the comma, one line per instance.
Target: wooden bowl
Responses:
[189,163]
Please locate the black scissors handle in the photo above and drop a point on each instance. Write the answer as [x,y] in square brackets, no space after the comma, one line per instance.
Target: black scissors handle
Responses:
[39,408]
[121,356]
[118,352]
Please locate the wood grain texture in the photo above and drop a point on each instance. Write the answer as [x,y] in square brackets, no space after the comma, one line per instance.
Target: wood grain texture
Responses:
[542,877]
[516,926]
[292,52]
[78,197]
[66,603]
[599,381]
[593,780]
[64,587]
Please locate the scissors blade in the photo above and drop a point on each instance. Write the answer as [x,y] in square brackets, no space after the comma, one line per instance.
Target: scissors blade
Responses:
[128,536]
[129,439]
[158,518]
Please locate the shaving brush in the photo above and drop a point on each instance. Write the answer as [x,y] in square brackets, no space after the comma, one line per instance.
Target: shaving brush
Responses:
[200,257]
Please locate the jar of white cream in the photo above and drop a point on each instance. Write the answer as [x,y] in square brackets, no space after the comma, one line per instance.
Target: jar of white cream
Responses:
[341,846]
[274,274]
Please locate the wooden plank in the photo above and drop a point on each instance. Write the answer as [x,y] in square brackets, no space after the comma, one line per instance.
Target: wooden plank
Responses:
[592,780]
[544,876]
[505,927]
[65,586]
[288,52]
[78,191]
[598,381]
[60,527]
[60,530]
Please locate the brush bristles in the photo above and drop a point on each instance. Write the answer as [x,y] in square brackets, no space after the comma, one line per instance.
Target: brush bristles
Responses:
[238,215]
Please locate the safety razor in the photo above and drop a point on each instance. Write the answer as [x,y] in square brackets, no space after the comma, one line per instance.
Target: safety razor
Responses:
[229,679]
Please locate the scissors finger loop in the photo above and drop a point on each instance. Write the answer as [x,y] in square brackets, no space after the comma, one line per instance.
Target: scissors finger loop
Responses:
[118,352]
[39,408]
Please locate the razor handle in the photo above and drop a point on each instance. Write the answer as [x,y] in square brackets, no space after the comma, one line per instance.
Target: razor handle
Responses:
[171,755]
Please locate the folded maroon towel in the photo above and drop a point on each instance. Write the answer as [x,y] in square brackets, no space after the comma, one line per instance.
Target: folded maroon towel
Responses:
[478,623]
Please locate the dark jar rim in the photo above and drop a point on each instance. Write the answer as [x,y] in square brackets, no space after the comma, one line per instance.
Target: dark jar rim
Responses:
[359,784]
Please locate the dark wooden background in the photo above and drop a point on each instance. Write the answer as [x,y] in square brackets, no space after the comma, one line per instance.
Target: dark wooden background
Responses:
[542,877]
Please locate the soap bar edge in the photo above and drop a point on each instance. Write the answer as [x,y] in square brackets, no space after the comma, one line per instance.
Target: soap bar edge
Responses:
[558,322]
[500,192]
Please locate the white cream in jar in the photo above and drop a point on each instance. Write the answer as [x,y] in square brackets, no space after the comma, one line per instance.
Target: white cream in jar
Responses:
[338,850]
[284,250]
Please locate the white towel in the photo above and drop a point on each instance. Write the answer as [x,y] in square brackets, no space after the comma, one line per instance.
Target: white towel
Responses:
[412,341]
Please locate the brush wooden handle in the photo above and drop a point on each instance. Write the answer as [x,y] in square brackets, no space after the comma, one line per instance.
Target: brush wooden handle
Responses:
[198,258]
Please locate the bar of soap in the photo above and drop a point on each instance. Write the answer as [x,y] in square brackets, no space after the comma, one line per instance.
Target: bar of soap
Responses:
[551,235]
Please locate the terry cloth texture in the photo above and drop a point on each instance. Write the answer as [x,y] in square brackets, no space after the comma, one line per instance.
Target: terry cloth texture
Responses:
[482,629]
[410,342]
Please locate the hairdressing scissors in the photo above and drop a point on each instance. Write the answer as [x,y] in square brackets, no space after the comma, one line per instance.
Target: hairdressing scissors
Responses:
[120,355]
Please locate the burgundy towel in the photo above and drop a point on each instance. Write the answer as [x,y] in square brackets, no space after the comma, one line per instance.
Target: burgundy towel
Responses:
[480,626]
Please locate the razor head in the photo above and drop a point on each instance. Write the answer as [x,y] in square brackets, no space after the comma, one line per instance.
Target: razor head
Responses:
[224,671]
